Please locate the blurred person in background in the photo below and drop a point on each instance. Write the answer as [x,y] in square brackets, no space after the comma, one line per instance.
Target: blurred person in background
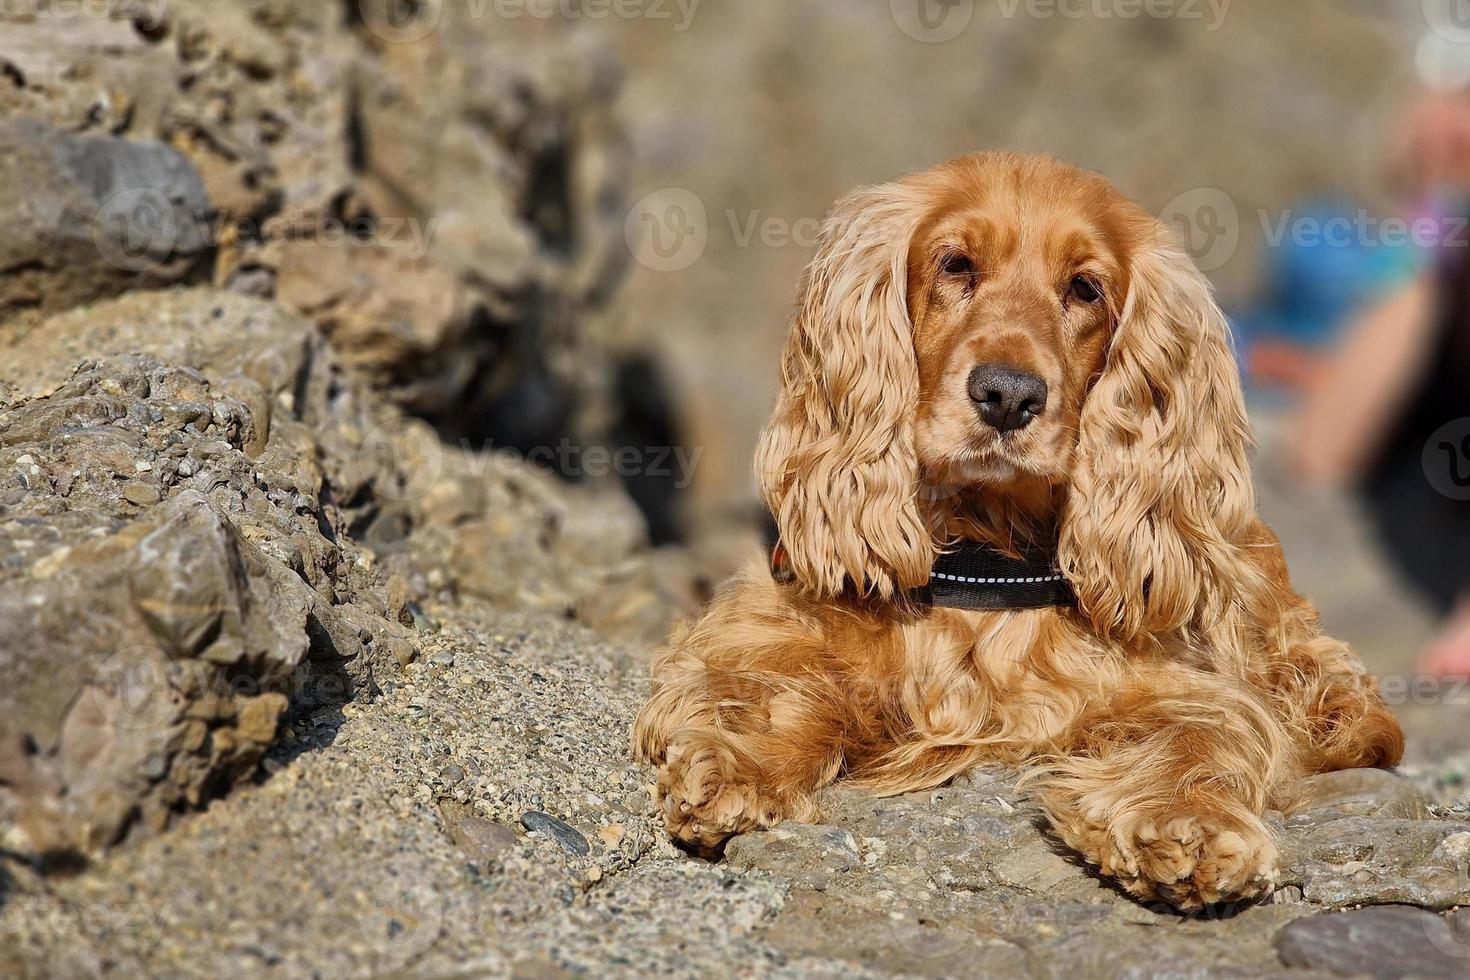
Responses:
[1400,380]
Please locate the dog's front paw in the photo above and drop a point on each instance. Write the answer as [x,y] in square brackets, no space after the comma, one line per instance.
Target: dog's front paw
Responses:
[1190,860]
[705,800]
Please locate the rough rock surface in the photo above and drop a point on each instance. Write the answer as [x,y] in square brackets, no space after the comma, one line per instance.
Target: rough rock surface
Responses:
[483,818]
[1389,941]
[179,531]
[444,210]
[87,216]
[299,686]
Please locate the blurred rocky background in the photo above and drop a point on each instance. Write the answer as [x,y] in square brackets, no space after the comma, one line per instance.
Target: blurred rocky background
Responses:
[378,381]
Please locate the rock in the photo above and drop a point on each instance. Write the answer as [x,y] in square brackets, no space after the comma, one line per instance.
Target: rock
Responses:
[481,839]
[563,833]
[107,668]
[1038,867]
[156,632]
[141,494]
[258,716]
[1375,861]
[93,216]
[1354,793]
[1387,942]
[385,309]
[809,854]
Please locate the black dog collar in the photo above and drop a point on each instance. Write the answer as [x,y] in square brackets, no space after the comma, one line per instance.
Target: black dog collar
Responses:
[977,576]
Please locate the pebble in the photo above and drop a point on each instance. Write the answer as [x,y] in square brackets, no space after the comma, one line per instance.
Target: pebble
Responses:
[558,830]
[141,494]
[1387,941]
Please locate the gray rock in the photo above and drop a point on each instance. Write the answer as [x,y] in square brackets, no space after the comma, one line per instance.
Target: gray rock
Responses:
[1373,861]
[1037,867]
[807,854]
[1386,943]
[481,839]
[156,620]
[570,839]
[1353,793]
[83,217]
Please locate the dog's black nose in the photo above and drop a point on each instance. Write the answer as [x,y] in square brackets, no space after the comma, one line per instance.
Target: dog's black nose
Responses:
[1007,398]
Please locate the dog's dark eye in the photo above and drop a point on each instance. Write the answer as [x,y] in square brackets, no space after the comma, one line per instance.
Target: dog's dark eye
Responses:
[958,264]
[1086,290]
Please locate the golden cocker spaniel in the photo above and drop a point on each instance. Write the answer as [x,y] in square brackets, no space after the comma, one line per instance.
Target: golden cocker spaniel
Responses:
[1004,352]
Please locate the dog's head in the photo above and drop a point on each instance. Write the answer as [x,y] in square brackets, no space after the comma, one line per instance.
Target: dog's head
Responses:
[1004,329]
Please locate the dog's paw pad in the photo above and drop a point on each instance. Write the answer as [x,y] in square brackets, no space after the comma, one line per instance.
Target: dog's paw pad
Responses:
[704,801]
[1193,861]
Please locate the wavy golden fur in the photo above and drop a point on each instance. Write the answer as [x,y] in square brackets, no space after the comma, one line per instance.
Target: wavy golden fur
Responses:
[1155,720]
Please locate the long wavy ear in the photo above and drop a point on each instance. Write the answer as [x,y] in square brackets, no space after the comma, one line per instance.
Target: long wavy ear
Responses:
[1161,492]
[836,464]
